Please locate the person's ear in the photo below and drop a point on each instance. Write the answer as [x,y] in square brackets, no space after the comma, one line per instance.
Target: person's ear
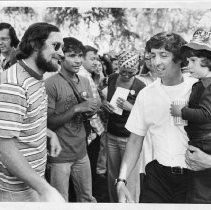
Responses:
[34,46]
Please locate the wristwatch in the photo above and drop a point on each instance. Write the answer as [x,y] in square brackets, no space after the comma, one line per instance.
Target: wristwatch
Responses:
[119,180]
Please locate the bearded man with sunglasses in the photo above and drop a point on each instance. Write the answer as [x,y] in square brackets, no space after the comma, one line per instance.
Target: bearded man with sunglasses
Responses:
[23,118]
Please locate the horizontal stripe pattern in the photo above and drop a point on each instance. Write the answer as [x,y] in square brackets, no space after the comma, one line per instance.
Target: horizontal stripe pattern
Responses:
[23,116]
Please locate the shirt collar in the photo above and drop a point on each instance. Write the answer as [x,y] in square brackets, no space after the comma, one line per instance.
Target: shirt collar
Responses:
[206,81]
[30,71]
[65,74]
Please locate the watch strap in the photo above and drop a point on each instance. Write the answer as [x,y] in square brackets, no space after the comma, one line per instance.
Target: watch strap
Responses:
[120,180]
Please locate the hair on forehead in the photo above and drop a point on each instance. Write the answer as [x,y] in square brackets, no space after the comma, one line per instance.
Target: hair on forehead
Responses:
[204,54]
[12,33]
[189,52]
[73,44]
[171,42]
[89,48]
[34,38]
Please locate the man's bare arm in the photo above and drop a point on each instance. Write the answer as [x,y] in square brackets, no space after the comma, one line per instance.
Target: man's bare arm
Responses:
[57,120]
[17,165]
[131,156]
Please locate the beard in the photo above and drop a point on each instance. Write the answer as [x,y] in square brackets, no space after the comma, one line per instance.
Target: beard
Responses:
[44,65]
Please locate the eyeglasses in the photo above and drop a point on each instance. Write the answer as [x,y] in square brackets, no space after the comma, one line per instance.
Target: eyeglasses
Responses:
[57,46]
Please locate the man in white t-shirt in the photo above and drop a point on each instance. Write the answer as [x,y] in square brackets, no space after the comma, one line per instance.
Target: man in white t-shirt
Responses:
[166,175]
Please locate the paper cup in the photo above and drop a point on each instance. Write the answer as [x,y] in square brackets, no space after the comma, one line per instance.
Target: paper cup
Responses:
[179,120]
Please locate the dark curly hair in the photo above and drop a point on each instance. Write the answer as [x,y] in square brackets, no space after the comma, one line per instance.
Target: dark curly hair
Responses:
[12,34]
[34,37]
[107,62]
[205,54]
[89,48]
[169,41]
[72,44]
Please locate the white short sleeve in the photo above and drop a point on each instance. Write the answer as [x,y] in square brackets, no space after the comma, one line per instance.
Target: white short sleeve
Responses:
[136,122]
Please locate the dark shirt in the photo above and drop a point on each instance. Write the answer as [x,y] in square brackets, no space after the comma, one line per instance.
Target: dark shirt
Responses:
[116,123]
[198,112]
[72,135]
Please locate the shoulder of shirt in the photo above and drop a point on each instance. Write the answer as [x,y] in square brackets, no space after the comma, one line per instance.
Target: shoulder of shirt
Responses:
[140,82]
[149,88]
[189,80]
[15,75]
[83,78]
[83,71]
[53,80]
[53,77]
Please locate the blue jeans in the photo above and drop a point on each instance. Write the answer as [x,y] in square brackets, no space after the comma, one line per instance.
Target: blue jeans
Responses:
[116,149]
[29,195]
[102,157]
[80,172]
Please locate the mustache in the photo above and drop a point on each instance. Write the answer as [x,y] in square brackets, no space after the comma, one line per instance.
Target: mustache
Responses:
[60,58]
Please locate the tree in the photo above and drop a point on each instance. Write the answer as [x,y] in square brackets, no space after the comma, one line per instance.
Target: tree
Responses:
[19,17]
[112,23]
[110,28]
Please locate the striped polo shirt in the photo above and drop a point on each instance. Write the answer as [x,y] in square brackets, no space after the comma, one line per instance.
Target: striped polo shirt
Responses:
[23,117]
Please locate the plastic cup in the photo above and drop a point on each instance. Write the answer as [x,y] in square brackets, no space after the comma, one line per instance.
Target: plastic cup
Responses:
[178,120]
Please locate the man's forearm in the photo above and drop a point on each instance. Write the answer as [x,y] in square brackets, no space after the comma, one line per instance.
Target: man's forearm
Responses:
[58,120]
[18,166]
[131,155]
[50,133]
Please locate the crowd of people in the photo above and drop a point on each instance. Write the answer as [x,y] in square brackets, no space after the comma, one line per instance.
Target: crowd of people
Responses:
[137,121]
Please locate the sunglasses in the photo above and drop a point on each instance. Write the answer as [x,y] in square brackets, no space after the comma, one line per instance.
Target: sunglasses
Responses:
[57,46]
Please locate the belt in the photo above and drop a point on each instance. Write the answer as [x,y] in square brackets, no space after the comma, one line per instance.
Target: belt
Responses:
[175,170]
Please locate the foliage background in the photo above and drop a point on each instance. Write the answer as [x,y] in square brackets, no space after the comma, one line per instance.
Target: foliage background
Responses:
[110,29]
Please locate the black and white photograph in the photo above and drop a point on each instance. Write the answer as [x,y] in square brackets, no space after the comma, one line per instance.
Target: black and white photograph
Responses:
[105,104]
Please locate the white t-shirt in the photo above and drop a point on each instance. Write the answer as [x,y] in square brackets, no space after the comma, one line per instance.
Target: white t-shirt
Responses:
[151,114]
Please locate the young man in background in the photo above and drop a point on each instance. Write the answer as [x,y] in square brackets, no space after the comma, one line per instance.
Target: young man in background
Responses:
[65,117]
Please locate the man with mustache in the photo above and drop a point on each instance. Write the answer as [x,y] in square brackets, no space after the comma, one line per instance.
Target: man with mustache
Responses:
[65,117]
[23,118]
[8,44]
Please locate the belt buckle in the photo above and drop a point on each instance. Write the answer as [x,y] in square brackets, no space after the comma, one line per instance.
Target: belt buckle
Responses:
[177,170]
